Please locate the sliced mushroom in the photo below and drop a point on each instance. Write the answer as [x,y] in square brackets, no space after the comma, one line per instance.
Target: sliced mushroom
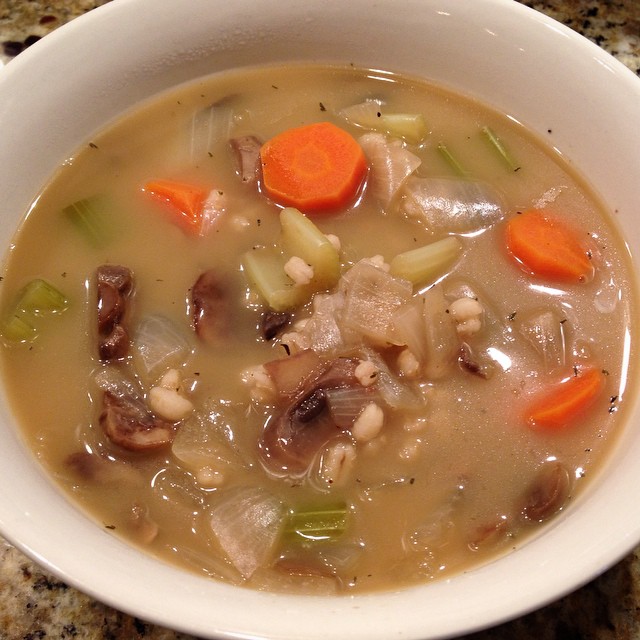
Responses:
[478,365]
[114,285]
[293,437]
[93,467]
[247,152]
[211,308]
[273,322]
[129,424]
[548,493]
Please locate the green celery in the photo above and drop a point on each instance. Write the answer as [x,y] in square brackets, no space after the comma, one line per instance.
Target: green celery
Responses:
[300,237]
[315,524]
[409,126]
[499,147]
[39,297]
[451,160]
[16,329]
[264,267]
[90,217]
[423,265]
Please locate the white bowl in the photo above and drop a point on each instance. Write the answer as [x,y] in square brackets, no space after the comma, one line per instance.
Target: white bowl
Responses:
[64,88]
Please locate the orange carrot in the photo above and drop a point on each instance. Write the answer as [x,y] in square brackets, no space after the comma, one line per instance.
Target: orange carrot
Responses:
[567,400]
[546,246]
[315,168]
[186,200]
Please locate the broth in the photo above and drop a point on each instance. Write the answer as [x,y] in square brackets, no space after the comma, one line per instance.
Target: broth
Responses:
[434,467]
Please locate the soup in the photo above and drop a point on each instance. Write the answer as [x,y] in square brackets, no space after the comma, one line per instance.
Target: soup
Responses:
[321,330]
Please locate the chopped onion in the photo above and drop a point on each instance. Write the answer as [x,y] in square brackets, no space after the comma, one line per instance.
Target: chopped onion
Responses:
[247,523]
[205,440]
[408,322]
[546,333]
[159,344]
[209,127]
[346,404]
[396,393]
[372,297]
[442,341]
[390,162]
[111,378]
[452,205]
[322,328]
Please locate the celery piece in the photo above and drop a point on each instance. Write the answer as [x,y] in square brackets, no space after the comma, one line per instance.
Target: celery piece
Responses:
[315,524]
[451,160]
[423,265]
[40,297]
[409,126]
[16,329]
[501,150]
[370,114]
[302,238]
[264,267]
[90,217]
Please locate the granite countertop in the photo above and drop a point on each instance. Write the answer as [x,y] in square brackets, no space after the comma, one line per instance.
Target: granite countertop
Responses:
[36,605]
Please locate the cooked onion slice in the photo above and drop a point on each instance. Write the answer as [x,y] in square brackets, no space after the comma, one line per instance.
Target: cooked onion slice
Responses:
[346,404]
[545,331]
[247,523]
[158,345]
[372,297]
[452,205]
[390,165]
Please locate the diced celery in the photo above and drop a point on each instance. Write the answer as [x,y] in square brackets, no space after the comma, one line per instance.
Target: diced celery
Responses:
[410,126]
[501,150]
[313,524]
[302,238]
[40,297]
[451,160]
[90,217]
[264,267]
[423,265]
[370,114]
[16,329]
[37,298]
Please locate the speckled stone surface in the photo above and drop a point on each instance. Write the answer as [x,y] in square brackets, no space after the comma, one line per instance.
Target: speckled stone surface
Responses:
[34,605]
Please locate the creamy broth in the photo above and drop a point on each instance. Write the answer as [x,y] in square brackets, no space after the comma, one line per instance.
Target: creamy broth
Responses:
[452,477]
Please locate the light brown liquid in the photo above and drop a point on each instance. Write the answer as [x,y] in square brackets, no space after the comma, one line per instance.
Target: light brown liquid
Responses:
[426,497]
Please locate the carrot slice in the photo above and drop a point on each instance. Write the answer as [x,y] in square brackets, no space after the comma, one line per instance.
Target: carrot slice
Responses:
[184,199]
[546,246]
[314,168]
[567,400]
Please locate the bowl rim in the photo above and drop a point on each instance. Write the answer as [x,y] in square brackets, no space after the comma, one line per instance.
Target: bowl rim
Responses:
[120,576]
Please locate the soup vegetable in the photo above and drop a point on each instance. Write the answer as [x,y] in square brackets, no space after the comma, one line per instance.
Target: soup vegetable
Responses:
[318,330]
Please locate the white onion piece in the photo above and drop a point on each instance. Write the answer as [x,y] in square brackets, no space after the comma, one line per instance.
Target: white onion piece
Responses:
[346,404]
[364,114]
[247,523]
[206,439]
[408,323]
[372,297]
[442,342]
[209,127]
[394,392]
[111,378]
[452,205]
[159,344]
[545,331]
[390,164]
[322,328]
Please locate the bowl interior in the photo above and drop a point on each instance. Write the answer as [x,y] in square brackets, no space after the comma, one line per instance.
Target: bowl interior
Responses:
[495,50]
